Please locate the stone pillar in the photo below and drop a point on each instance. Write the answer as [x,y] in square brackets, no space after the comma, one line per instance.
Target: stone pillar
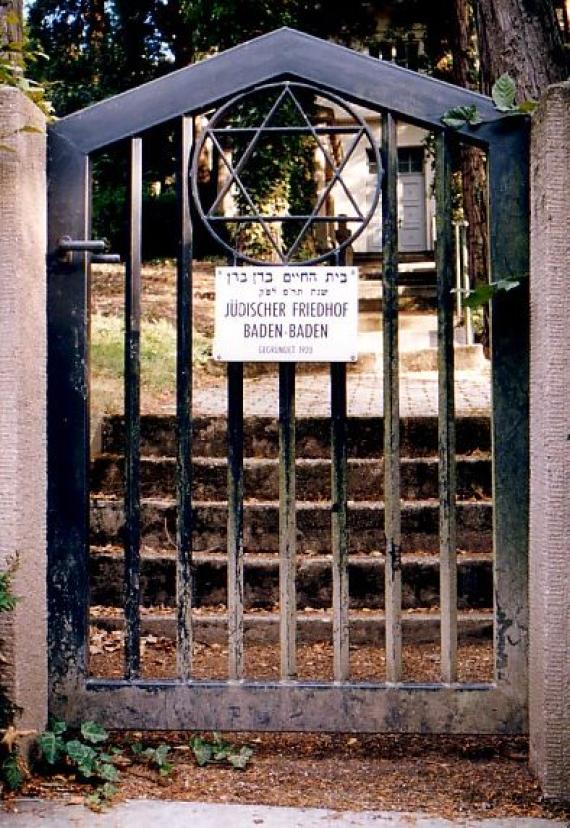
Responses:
[23,663]
[550,444]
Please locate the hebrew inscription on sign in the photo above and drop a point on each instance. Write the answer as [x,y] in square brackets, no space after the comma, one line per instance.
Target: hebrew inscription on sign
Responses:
[286,314]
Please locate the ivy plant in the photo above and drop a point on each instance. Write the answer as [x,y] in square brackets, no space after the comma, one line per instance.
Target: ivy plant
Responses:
[154,757]
[85,752]
[218,751]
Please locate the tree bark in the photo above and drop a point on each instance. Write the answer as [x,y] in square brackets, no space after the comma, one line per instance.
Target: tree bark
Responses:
[471,160]
[521,37]
[11,22]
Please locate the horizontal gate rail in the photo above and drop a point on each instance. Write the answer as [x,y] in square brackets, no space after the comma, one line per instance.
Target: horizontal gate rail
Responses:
[297,706]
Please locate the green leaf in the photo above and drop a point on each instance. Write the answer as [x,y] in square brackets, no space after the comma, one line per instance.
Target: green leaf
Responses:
[108,790]
[58,727]
[503,93]
[83,756]
[51,746]
[460,116]
[93,733]
[484,293]
[160,754]
[240,760]
[108,772]
[166,769]
[202,751]
[11,772]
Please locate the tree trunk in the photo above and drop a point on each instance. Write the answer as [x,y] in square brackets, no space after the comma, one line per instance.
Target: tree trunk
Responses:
[471,160]
[521,37]
[11,22]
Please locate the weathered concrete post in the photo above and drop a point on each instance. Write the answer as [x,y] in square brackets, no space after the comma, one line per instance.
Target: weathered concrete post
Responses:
[23,667]
[550,444]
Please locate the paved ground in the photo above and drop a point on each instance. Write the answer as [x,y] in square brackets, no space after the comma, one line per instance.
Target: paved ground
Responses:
[142,813]
[418,395]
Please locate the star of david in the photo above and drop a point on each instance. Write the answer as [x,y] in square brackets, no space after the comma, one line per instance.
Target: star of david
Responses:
[280,111]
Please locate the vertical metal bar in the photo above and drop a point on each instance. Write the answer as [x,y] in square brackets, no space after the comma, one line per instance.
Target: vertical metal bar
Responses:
[68,426]
[509,250]
[235,519]
[446,413]
[184,407]
[392,510]
[287,521]
[132,414]
[341,637]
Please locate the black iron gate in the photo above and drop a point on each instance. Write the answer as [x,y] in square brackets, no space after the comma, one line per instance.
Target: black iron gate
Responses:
[287,64]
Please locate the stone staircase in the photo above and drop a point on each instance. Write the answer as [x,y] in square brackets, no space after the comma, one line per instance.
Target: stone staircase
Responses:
[261,508]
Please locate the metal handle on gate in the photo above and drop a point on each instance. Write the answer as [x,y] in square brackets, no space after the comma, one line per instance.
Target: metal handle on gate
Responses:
[68,245]
[99,247]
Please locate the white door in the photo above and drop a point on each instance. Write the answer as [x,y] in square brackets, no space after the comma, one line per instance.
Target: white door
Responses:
[412,212]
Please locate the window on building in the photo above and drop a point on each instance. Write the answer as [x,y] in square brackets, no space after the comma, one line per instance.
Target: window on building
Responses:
[372,163]
[410,159]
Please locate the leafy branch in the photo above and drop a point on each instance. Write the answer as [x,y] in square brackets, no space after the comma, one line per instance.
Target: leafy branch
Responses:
[503,94]
[483,293]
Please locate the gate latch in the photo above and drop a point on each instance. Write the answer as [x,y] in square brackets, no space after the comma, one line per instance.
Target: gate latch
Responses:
[99,247]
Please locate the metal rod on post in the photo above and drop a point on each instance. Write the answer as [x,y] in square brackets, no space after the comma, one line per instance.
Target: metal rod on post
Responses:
[392,508]
[132,415]
[466,283]
[458,271]
[287,521]
[446,413]
[184,574]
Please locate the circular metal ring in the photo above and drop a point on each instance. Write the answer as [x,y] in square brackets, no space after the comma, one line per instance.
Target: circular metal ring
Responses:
[361,129]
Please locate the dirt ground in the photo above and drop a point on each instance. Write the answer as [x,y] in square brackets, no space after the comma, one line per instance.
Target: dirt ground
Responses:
[471,776]
[314,661]
[446,776]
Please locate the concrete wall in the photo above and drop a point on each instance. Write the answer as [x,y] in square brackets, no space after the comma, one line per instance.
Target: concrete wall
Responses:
[23,666]
[550,444]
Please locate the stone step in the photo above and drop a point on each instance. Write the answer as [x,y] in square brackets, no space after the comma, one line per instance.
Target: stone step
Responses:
[418,436]
[313,478]
[420,525]
[312,628]
[416,297]
[420,580]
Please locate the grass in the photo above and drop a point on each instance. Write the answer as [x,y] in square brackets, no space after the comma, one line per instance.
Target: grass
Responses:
[157,361]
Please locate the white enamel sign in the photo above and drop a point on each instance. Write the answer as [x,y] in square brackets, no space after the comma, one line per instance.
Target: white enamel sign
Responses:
[286,314]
